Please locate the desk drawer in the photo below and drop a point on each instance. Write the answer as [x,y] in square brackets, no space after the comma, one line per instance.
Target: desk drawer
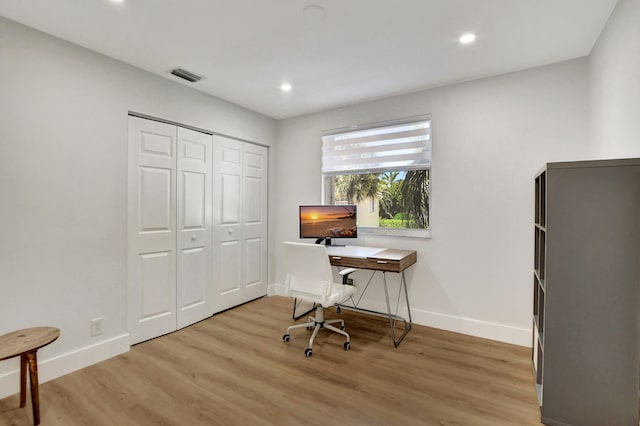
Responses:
[384,265]
[392,260]
[352,262]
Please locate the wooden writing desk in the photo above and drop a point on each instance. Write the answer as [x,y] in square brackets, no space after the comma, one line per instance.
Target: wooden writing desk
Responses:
[377,260]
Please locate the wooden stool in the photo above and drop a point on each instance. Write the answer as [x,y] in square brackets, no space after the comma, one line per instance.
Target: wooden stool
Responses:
[26,343]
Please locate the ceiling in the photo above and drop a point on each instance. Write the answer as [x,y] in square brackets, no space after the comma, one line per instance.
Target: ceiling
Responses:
[345,52]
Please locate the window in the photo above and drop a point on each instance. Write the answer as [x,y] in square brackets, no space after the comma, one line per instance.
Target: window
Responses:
[385,168]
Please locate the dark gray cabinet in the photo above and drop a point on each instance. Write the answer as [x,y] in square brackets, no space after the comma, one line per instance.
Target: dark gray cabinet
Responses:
[586,292]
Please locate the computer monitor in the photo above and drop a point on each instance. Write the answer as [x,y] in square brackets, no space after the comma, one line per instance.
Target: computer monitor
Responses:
[328,222]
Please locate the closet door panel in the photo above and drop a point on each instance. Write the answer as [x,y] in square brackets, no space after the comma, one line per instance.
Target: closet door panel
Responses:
[193,197]
[254,198]
[194,218]
[254,265]
[193,273]
[230,200]
[255,220]
[155,210]
[157,285]
[151,271]
[227,234]
[229,272]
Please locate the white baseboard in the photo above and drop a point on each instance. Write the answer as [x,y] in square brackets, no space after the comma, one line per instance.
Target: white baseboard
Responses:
[473,327]
[49,369]
[276,290]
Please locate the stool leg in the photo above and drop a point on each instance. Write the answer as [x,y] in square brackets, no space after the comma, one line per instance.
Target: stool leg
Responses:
[35,396]
[23,380]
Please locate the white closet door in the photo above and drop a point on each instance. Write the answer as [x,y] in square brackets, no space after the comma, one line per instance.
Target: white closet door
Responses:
[254,220]
[194,289]
[240,222]
[151,228]
[227,233]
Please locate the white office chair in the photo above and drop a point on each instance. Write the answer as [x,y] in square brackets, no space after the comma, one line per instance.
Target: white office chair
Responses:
[309,278]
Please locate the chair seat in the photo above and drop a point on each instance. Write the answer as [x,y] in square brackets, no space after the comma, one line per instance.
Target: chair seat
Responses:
[339,293]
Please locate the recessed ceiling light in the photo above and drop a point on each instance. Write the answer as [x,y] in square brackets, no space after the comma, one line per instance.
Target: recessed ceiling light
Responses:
[467,38]
[285,87]
[117,1]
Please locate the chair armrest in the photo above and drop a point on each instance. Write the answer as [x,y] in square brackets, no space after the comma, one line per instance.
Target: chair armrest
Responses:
[345,275]
[347,271]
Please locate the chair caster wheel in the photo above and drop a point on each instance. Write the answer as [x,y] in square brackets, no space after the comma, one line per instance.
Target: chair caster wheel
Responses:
[308,352]
[337,309]
[286,338]
[347,346]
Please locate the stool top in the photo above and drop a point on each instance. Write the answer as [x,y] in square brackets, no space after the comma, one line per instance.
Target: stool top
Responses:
[22,341]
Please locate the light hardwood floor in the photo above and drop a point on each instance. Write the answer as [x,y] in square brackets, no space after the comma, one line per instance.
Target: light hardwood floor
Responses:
[234,369]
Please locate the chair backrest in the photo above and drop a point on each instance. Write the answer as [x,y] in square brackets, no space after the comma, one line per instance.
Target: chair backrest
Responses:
[307,270]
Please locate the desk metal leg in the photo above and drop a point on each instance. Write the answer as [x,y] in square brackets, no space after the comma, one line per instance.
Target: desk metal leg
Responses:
[393,317]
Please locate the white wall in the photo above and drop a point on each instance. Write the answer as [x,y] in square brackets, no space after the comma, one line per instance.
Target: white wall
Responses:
[63,183]
[490,137]
[615,83]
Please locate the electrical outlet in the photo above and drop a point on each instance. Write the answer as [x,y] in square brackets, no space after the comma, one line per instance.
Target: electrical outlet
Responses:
[96,326]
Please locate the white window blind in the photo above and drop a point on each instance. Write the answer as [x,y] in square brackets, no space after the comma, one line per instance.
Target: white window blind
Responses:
[405,146]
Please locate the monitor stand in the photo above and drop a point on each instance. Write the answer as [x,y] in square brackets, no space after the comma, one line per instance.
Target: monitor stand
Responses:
[328,242]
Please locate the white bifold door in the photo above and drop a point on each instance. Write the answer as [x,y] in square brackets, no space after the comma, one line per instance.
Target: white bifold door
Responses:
[240,222]
[170,265]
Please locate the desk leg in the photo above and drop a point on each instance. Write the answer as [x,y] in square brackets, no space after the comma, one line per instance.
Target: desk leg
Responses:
[394,317]
[406,297]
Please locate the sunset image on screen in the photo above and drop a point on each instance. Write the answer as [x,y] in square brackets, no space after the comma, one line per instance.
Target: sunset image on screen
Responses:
[327,221]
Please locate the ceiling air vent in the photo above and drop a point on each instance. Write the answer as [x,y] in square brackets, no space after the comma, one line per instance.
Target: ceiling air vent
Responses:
[186,75]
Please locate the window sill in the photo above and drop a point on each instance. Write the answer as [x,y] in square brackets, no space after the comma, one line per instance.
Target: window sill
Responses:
[394,232]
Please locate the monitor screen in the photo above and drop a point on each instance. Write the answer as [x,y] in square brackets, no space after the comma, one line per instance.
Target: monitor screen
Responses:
[326,222]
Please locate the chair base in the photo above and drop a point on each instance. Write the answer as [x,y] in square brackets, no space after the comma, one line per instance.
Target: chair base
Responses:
[317,322]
